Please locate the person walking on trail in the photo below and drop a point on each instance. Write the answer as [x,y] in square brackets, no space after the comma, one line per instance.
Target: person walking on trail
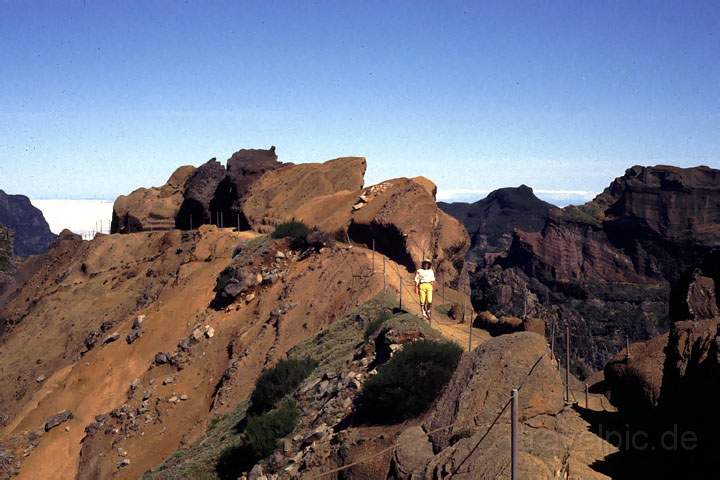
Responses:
[424,278]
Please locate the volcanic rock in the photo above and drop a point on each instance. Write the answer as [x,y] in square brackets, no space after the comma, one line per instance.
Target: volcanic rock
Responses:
[476,447]
[58,419]
[32,235]
[285,193]
[633,384]
[152,208]
[401,216]
[621,264]
[492,220]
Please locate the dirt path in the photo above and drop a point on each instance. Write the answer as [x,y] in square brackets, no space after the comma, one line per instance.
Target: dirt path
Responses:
[449,328]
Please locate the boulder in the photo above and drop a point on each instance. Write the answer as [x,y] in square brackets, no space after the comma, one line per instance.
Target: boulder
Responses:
[58,419]
[633,384]
[152,208]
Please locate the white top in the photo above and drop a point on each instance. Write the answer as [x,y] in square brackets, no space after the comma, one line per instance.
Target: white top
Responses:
[424,276]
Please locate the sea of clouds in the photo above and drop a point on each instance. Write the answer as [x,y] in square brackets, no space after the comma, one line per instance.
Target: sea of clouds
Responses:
[79,216]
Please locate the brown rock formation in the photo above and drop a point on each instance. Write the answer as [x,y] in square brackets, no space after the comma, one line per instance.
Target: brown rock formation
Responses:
[280,195]
[554,442]
[633,384]
[620,264]
[402,217]
[152,208]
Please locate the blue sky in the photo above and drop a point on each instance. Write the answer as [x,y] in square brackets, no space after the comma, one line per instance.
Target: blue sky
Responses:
[101,97]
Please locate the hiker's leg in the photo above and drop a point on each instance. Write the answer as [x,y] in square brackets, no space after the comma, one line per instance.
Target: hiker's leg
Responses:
[422,299]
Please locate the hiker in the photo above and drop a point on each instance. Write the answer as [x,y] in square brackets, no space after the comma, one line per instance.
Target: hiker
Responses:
[424,278]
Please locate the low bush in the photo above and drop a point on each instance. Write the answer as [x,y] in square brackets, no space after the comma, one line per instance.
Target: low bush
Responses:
[295,230]
[406,385]
[259,440]
[279,381]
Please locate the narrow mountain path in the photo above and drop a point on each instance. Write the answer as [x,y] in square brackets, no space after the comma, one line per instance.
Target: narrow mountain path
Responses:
[443,297]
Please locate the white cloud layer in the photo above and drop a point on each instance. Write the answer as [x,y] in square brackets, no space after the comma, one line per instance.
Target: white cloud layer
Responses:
[78,216]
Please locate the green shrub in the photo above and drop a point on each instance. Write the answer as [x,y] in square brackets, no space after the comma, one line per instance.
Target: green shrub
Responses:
[376,323]
[259,440]
[406,386]
[279,381]
[295,230]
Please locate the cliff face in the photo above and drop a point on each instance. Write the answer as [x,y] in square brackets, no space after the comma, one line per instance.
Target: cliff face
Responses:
[492,220]
[30,230]
[619,265]
[7,263]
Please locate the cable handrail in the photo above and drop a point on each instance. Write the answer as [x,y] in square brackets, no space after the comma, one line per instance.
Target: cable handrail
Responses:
[439,429]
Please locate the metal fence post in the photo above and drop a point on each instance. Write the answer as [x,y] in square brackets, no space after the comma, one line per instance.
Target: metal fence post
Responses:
[567,364]
[515,434]
[401,290]
[627,347]
[384,274]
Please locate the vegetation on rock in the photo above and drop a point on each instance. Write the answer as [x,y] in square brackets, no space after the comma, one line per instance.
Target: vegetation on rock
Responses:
[279,381]
[407,385]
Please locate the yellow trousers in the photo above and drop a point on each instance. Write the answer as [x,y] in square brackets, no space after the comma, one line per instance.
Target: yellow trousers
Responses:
[426,290]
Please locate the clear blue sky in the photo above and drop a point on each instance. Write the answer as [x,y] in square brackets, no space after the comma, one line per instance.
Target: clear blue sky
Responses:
[101,97]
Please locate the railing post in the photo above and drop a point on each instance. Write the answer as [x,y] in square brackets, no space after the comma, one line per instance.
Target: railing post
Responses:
[401,290]
[567,364]
[384,274]
[587,403]
[627,347]
[470,322]
[515,434]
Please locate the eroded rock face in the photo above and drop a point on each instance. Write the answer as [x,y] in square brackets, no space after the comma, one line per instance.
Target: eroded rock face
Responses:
[621,264]
[32,235]
[553,438]
[152,208]
[402,217]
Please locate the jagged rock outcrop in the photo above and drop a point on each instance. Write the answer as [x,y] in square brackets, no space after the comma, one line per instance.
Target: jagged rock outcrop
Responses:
[554,439]
[402,217]
[32,235]
[492,220]
[152,208]
[209,194]
[621,264]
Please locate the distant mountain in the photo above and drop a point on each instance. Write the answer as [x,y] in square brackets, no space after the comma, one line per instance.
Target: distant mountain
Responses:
[31,231]
[492,220]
